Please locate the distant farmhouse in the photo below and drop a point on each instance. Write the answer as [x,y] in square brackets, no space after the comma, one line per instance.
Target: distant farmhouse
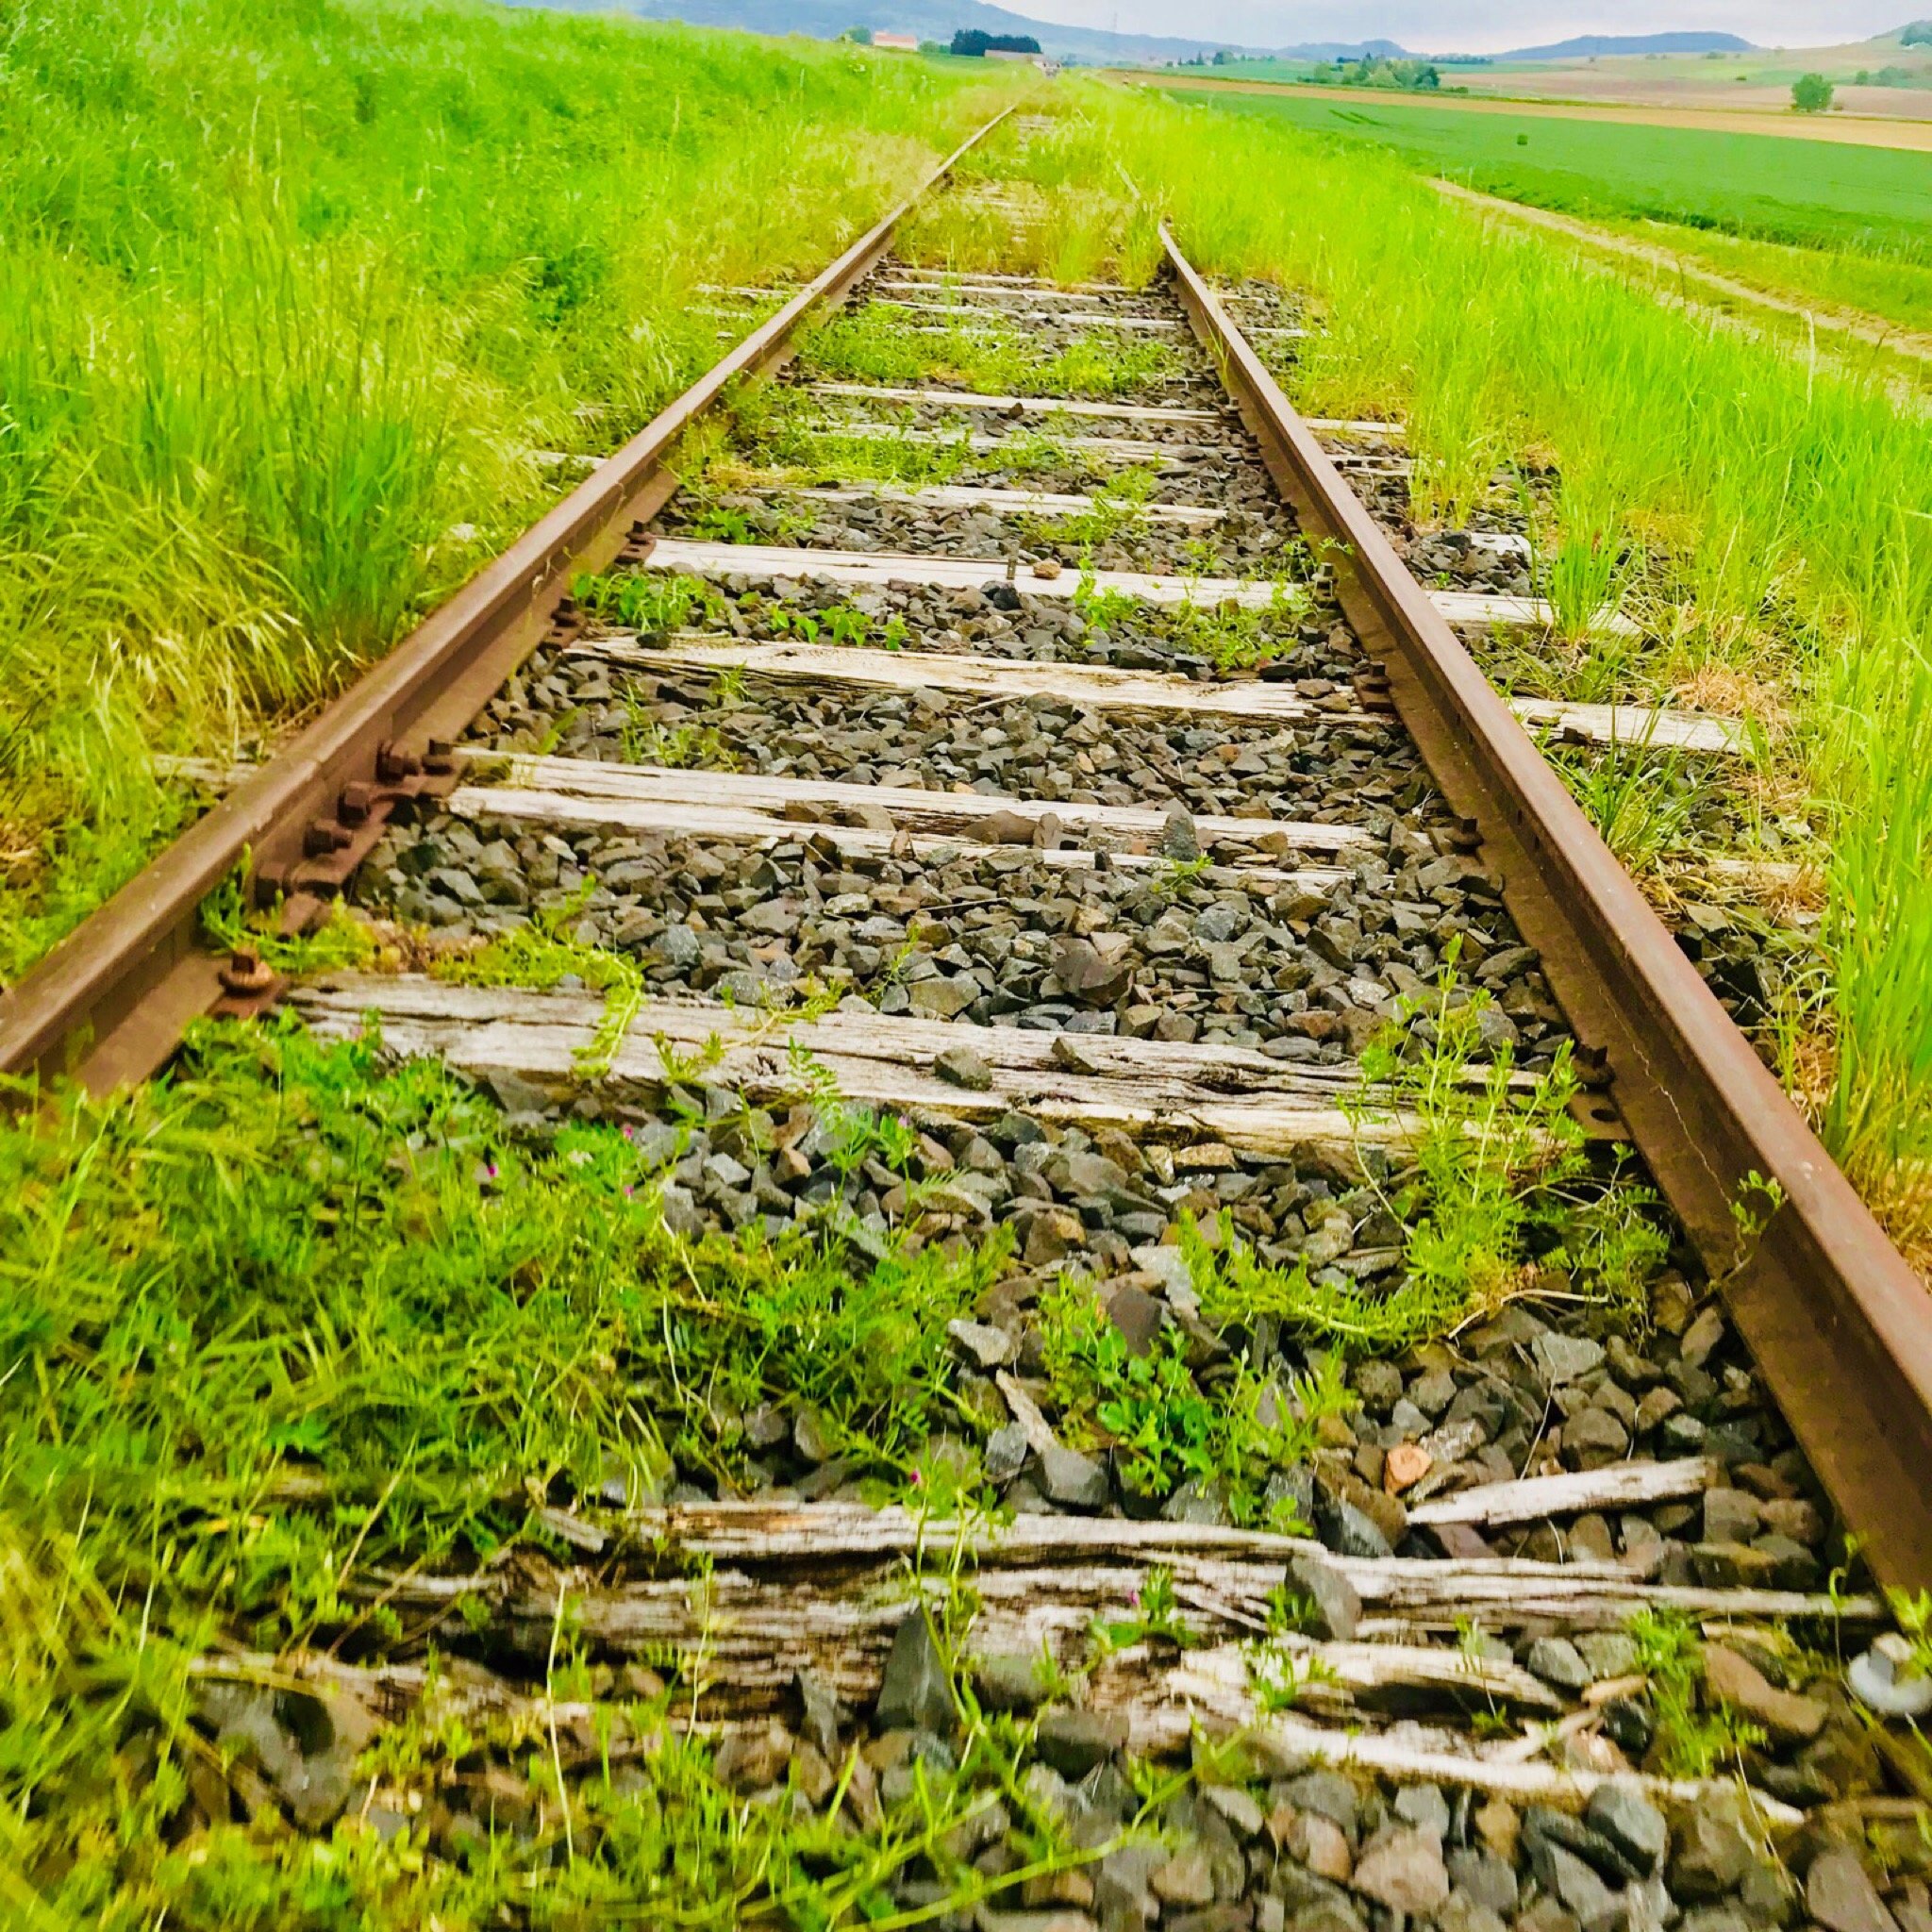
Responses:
[897,44]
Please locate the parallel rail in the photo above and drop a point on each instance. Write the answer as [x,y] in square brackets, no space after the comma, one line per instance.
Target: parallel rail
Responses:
[1839,1323]
[1838,1320]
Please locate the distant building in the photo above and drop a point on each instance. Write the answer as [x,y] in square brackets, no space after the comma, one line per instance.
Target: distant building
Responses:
[897,44]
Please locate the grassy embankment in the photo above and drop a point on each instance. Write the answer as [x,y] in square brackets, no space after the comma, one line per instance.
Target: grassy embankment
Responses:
[293,292]
[1785,519]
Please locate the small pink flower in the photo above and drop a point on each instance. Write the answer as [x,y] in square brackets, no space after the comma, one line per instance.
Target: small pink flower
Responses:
[918,1479]
[490,1168]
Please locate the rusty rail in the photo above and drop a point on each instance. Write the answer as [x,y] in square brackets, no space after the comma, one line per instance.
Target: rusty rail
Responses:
[108,1004]
[1837,1321]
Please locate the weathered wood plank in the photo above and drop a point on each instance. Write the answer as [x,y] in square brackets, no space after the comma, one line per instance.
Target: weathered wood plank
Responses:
[878,569]
[1161,324]
[1130,449]
[1619,1485]
[764,826]
[1006,405]
[1242,1564]
[1635,726]
[1097,686]
[1158,1089]
[1016,502]
[1018,289]
[1103,687]
[911,808]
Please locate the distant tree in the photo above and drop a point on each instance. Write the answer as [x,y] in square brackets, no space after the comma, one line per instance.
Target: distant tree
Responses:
[1918,35]
[1811,93]
[973,40]
[859,36]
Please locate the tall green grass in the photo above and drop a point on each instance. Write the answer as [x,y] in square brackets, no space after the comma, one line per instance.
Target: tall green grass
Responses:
[1791,514]
[290,292]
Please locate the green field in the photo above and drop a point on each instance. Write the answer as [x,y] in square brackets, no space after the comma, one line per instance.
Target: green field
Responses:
[1814,193]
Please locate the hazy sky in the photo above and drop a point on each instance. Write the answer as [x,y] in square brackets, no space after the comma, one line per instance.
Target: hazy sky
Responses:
[1464,27]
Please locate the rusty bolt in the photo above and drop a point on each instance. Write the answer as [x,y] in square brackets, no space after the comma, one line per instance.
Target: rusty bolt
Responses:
[245,973]
[322,837]
[353,806]
[393,763]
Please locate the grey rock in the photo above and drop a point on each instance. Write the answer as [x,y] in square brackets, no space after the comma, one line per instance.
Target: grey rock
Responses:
[1073,1480]
[1557,1661]
[809,1437]
[1401,1868]
[962,1066]
[1480,1874]
[1073,1742]
[1841,1897]
[1122,1897]
[754,1757]
[1352,1532]
[1593,1438]
[819,1703]
[1178,838]
[1326,1915]
[1565,1358]
[1007,1450]
[915,1693]
[1571,1882]
[1713,1847]
[1623,1814]
[989,1347]
[941,998]
[1337,1605]
[1328,1794]
[303,1743]
[1138,1315]
[1423,1806]
[1008,1681]
[1609,1654]
[1462,1912]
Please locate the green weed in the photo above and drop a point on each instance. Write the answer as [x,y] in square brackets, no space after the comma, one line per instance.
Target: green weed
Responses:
[649,602]
[342,943]
[1163,1426]
[875,344]
[541,954]
[1694,1740]
[1497,1199]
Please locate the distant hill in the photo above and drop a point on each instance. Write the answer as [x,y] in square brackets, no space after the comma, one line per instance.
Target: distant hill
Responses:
[1583,44]
[931,20]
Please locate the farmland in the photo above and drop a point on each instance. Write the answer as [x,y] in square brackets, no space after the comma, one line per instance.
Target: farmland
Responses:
[1813,194]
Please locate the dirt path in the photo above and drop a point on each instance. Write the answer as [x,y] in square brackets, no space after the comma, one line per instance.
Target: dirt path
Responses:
[1852,326]
[1851,131]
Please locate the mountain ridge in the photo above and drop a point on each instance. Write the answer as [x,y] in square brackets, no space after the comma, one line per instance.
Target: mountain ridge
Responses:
[938,20]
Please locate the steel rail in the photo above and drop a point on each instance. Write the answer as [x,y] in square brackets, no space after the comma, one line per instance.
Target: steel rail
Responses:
[108,1005]
[1838,1321]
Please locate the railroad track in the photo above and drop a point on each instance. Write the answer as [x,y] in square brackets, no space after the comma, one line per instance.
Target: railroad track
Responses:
[1023,843]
